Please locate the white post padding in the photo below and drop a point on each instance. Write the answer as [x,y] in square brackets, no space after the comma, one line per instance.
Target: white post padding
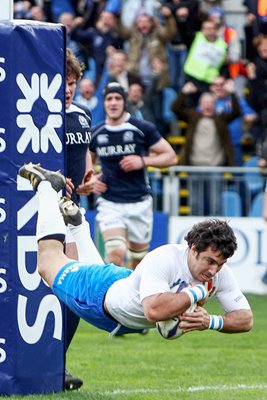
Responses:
[6,9]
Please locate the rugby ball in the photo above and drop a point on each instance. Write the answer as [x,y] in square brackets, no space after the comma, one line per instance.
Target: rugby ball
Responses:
[170,329]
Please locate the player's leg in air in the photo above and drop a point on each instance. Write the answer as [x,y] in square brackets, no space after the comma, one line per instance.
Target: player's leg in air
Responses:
[51,228]
[80,230]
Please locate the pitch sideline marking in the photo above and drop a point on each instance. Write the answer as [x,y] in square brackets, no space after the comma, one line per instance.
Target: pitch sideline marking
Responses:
[183,390]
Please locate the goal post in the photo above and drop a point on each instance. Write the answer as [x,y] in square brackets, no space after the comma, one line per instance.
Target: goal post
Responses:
[32,128]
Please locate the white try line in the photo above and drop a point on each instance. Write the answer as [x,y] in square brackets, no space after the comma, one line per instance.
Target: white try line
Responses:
[182,390]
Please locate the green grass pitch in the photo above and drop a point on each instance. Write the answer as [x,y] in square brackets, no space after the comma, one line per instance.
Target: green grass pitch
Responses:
[200,365]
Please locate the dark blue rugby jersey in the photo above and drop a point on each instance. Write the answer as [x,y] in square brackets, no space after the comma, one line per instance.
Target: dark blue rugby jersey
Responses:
[78,135]
[111,144]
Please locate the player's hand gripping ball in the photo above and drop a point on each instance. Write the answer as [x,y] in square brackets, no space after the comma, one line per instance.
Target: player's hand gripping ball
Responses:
[170,329]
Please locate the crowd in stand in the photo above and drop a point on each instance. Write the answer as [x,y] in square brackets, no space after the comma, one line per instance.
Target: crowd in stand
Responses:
[154,49]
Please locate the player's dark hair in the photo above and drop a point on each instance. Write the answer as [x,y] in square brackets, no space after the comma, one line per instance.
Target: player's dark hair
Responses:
[73,67]
[213,233]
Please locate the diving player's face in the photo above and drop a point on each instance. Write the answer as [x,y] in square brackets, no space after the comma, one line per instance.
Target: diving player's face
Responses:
[204,265]
[71,84]
[114,106]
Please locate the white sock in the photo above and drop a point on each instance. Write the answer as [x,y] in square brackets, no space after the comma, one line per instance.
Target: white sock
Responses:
[87,251]
[50,220]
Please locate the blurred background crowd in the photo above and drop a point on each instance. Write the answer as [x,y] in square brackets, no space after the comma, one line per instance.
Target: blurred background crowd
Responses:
[181,62]
[153,47]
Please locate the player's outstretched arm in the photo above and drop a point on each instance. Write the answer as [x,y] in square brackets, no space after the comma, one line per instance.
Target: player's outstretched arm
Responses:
[232,322]
[238,321]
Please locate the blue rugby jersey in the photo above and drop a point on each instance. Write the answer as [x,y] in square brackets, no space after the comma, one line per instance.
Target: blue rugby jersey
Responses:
[78,135]
[111,144]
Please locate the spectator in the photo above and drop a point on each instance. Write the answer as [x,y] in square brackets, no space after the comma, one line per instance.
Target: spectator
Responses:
[147,40]
[206,57]
[29,10]
[22,9]
[125,146]
[220,152]
[25,3]
[138,105]
[208,143]
[90,11]
[206,5]
[102,39]
[88,96]
[131,9]
[257,97]
[185,13]
[152,95]
[119,72]
[147,57]
[231,37]
[250,51]
[113,6]
[156,97]
[224,104]
[107,76]
[37,14]
[257,15]
[58,7]
[85,94]
[67,19]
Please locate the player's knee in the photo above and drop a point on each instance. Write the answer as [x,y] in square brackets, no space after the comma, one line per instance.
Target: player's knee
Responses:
[137,255]
[41,265]
[116,249]
[49,257]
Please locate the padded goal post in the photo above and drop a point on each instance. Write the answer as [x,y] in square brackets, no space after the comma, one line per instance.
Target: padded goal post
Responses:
[32,108]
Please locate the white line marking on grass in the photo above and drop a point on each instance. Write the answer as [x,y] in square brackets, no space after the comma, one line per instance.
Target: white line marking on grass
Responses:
[184,390]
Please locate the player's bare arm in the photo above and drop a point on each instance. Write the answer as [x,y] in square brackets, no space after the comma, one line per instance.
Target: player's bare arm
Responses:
[96,182]
[233,322]
[163,306]
[160,155]
[87,185]
[132,163]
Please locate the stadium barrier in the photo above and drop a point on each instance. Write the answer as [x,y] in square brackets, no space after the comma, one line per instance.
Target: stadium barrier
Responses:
[32,93]
[206,191]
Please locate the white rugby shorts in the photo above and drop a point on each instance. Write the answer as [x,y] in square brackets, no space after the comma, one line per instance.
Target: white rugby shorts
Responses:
[136,218]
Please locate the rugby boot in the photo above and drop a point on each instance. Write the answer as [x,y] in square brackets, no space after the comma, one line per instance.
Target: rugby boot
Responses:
[36,174]
[70,211]
[72,382]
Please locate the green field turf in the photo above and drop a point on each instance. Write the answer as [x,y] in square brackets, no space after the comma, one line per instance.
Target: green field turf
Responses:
[200,365]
